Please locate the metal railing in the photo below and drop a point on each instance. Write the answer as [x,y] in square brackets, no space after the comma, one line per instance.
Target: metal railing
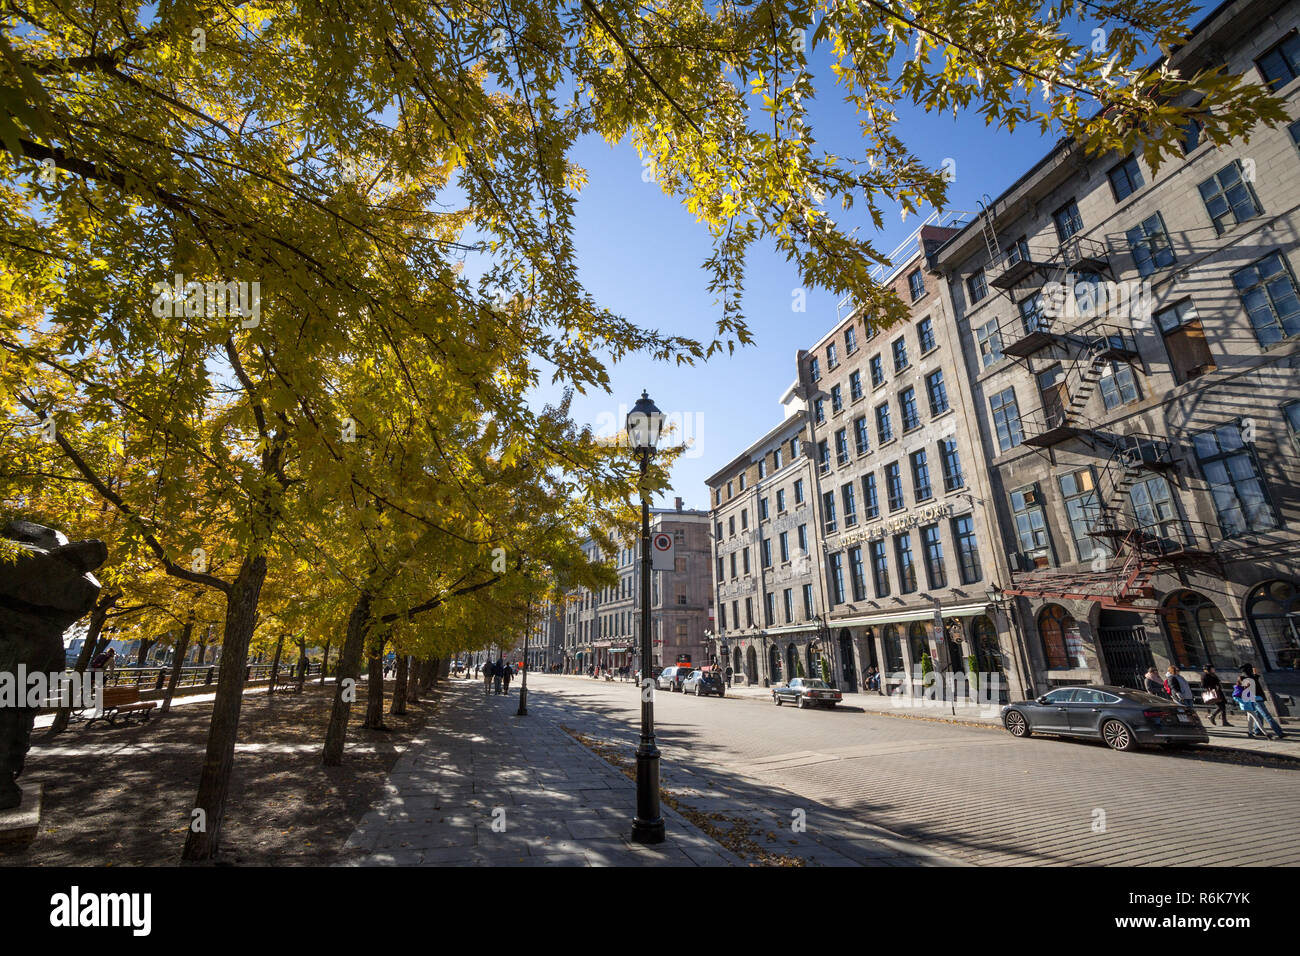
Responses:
[156,676]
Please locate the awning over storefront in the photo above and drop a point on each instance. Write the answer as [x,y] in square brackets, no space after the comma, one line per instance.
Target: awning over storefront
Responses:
[920,614]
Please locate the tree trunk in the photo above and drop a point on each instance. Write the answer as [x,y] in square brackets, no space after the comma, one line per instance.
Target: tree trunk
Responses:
[325,663]
[178,661]
[303,664]
[88,651]
[375,688]
[145,647]
[413,681]
[399,687]
[345,687]
[214,782]
[429,673]
[275,666]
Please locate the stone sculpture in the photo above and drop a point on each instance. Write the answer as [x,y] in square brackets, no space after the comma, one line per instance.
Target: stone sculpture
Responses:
[42,594]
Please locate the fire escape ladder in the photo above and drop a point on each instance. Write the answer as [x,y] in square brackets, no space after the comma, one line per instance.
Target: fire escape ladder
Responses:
[989,233]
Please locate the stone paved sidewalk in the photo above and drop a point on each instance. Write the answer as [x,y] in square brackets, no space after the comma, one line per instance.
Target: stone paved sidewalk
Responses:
[482,786]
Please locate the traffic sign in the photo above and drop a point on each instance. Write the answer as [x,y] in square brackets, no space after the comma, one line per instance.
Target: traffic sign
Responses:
[663,552]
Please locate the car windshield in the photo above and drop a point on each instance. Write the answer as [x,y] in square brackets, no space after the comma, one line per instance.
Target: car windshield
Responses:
[814,683]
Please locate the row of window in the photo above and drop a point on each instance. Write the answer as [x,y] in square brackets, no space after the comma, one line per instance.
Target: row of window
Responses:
[848,570]
[764,511]
[1230,468]
[769,610]
[936,394]
[778,460]
[926,343]
[922,487]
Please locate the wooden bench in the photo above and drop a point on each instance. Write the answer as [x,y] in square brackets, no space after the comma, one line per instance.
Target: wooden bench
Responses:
[123,703]
[285,682]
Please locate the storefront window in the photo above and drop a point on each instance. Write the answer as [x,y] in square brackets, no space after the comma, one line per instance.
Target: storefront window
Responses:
[1197,633]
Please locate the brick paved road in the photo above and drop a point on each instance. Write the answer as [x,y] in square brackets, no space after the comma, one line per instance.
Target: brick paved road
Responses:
[970,794]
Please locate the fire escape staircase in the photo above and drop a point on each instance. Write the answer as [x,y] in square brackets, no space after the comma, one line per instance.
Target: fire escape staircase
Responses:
[1136,550]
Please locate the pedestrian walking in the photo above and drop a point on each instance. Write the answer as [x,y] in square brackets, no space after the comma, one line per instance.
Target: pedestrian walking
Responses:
[508,673]
[1254,707]
[1177,686]
[1154,685]
[498,674]
[487,678]
[728,675]
[1212,694]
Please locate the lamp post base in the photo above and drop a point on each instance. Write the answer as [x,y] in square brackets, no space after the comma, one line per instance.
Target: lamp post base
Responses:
[648,827]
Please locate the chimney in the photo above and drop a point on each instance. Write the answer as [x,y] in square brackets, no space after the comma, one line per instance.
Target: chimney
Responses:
[679,504]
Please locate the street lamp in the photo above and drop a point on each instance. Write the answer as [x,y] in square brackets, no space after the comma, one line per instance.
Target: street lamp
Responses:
[644,423]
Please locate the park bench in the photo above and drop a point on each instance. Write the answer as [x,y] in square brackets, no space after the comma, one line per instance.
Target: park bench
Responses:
[286,682]
[124,703]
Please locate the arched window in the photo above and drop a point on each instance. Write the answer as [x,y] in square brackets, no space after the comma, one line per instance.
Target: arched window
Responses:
[1273,610]
[737,664]
[774,663]
[893,650]
[791,662]
[1197,632]
[1062,646]
[918,645]
[988,651]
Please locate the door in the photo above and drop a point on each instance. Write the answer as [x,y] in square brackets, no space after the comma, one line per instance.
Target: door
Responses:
[846,657]
[1051,390]
[1127,654]
[1053,715]
[1085,711]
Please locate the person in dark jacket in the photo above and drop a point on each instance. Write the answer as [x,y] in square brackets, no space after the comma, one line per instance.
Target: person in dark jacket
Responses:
[506,675]
[487,678]
[1211,684]
[498,674]
[1154,685]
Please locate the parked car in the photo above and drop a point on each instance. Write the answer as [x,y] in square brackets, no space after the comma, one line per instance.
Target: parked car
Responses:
[806,692]
[670,678]
[703,683]
[1121,716]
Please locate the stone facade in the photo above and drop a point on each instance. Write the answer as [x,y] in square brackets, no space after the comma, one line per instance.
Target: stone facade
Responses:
[1143,444]
[603,628]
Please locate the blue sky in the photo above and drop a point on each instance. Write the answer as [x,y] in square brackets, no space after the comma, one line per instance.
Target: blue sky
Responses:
[640,254]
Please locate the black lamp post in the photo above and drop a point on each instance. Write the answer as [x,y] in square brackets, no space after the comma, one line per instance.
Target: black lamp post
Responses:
[643,426]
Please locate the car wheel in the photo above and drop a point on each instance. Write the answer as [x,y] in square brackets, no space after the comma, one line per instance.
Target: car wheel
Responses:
[1117,735]
[803,702]
[1016,724]
[776,700]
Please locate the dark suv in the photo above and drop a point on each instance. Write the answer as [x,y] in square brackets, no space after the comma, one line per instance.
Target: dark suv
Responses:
[702,683]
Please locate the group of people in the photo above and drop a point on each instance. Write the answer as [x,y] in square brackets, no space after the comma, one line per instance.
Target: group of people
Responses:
[496,676]
[1247,693]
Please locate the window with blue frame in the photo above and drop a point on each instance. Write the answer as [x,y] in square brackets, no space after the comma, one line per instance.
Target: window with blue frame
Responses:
[1268,291]
[1149,243]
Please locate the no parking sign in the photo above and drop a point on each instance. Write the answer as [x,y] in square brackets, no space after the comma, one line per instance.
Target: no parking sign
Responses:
[663,553]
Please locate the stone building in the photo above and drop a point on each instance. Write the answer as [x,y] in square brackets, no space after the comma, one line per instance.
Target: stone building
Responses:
[900,493]
[850,535]
[767,591]
[602,628]
[1131,341]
